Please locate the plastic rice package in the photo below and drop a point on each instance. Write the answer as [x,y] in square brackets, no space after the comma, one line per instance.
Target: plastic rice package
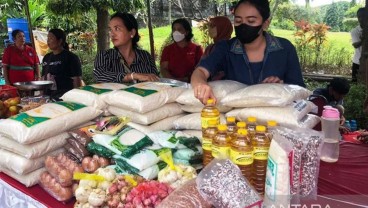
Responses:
[144,97]
[198,108]
[174,139]
[222,184]
[92,95]
[192,121]
[46,121]
[29,179]
[267,94]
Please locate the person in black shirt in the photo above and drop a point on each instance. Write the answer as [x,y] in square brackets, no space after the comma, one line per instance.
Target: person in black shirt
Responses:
[125,63]
[61,66]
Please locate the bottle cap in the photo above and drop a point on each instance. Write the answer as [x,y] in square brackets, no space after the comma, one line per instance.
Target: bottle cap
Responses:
[230,119]
[271,123]
[252,119]
[210,101]
[222,127]
[212,123]
[242,132]
[241,124]
[260,128]
[330,112]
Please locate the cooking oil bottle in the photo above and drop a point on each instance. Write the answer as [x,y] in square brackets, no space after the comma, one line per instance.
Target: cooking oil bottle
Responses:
[239,125]
[221,143]
[231,125]
[251,126]
[271,125]
[241,153]
[209,112]
[207,138]
[261,145]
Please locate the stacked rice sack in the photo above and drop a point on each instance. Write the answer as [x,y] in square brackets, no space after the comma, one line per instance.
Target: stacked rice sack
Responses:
[150,105]
[191,122]
[27,138]
[283,103]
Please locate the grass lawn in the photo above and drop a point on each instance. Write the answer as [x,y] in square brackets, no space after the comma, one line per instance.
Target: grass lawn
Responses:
[337,40]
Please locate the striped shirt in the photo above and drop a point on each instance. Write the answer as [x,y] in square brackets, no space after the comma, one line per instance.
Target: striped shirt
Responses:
[109,65]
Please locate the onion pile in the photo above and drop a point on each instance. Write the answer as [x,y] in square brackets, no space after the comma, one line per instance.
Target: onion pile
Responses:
[91,164]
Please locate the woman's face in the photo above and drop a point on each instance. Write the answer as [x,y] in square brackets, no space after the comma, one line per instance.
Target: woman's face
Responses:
[119,34]
[52,42]
[212,30]
[248,14]
[178,27]
[20,38]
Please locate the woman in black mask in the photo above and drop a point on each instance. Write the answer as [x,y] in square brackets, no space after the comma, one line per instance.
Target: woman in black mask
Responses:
[252,57]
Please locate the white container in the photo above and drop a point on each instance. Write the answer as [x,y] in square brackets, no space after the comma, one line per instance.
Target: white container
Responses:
[330,127]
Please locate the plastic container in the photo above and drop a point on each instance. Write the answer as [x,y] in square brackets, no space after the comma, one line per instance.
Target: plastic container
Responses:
[251,126]
[221,143]
[241,153]
[347,124]
[271,128]
[231,125]
[209,112]
[207,138]
[20,24]
[353,125]
[330,120]
[261,144]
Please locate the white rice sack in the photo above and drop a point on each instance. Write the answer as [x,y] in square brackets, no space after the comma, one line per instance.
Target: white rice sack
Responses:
[220,88]
[138,162]
[164,124]
[268,94]
[36,149]
[170,109]
[29,179]
[193,121]
[309,121]
[144,97]
[46,121]
[22,165]
[284,116]
[92,95]
[189,154]
[198,108]
[149,173]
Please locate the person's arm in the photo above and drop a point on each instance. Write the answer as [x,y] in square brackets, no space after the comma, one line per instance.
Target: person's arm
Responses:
[76,70]
[6,63]
[356,38]
[101,72]
[164,64]
[202,91]
[5,74]
[37,75]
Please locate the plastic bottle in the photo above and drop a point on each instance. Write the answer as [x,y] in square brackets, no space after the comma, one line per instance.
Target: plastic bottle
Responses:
[261,145]
[231,125]
[353,125]
[241,153]
[251,126]
[207,138]
[271,125]
[330,120]
[240,125]
[347,124]
[209,112]
[221,143]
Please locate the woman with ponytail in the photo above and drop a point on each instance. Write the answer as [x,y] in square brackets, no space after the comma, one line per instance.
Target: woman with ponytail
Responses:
[60,65]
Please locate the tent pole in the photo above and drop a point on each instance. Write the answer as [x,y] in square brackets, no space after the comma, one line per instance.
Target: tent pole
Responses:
[150,31]
[29,23]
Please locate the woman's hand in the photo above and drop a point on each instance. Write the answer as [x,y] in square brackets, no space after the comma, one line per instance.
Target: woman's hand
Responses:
[273,79]
[203,92]
[145,77]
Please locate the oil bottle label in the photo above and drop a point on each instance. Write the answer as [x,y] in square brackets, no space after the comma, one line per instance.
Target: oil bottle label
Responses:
[205,121]
[220,152]
[241,158]
[261,153]
[207,144]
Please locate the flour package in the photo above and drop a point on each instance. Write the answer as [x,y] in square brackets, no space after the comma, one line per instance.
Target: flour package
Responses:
[277,188]
[29,179]
[36,149]
[21,165]
[140,161]
[46,121]
[144,97]
[92,95]
[192,121]
[268,94]
[167,110]
[285,116]
[220,88]
[198,108]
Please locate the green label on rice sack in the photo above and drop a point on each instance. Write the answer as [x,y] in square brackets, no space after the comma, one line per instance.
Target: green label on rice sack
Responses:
[139,91]
[28,120]
[95,90]
[71,106]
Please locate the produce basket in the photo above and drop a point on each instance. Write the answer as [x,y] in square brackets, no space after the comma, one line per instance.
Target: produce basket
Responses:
[7,91]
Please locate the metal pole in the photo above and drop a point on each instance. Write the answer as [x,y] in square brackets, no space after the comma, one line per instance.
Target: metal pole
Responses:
[29,23]
[150,31]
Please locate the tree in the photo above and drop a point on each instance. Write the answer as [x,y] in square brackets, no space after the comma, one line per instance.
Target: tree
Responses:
[74,7]
[307,3]
[333,18]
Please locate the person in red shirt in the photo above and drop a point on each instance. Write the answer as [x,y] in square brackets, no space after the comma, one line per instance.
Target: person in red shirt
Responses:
[179,59]
[20,61]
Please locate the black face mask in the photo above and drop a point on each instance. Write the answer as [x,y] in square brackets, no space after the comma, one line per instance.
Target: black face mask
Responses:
[246,33]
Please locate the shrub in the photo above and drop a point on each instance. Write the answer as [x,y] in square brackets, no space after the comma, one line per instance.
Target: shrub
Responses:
[353,104]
